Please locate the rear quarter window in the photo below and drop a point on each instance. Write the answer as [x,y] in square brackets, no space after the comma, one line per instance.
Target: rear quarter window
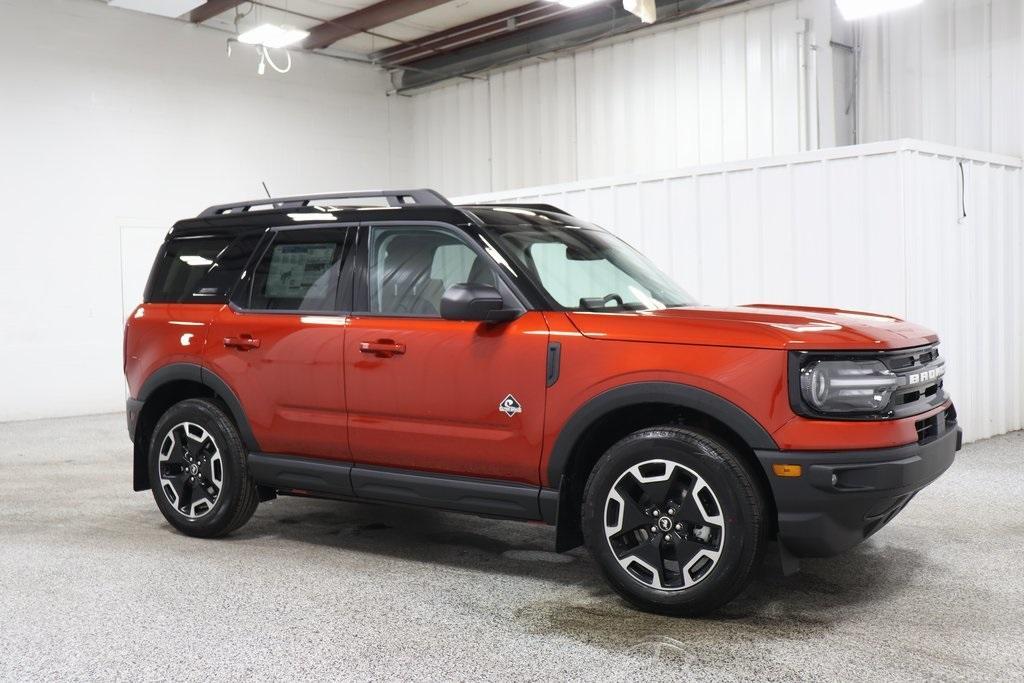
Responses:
[199,269]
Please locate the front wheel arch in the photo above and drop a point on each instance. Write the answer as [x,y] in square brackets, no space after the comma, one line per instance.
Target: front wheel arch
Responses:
[616,413]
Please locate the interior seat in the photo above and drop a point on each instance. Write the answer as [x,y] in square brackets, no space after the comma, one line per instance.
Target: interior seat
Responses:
[406,287]
[481,273]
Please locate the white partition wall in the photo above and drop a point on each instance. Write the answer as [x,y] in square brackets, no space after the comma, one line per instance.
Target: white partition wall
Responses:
[913,229]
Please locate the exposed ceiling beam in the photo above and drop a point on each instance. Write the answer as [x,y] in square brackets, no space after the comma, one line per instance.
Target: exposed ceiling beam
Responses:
[211,8]
[585,25]
[378,14]
[509,21]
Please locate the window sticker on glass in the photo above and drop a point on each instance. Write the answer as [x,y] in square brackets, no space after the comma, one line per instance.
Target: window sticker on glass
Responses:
[295,268]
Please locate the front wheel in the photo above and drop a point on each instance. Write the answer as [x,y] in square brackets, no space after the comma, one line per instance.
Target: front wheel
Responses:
[675,520]
[199,470]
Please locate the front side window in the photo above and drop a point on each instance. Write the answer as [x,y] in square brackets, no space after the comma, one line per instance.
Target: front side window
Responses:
[410,268]
[299,272]
[588,269]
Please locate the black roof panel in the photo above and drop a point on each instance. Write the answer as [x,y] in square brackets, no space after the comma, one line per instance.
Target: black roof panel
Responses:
[490,214]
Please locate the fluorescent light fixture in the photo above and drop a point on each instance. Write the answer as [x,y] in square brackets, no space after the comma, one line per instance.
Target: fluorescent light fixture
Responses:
[861,9]
[574,3]
[269,35]
[195,260]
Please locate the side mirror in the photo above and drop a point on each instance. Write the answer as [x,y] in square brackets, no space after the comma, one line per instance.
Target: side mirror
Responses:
[476,302]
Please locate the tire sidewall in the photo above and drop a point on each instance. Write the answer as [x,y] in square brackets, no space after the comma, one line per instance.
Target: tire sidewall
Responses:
[208,416]
[709,459]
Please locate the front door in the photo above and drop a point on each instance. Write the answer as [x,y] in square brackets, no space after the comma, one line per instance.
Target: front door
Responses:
[453,397]
[279,344]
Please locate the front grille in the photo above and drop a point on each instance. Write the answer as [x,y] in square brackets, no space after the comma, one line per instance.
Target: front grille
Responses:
[921,372]
[913,358]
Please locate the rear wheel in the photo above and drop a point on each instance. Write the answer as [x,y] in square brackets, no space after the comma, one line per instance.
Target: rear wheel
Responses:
[199,470]
[675,520]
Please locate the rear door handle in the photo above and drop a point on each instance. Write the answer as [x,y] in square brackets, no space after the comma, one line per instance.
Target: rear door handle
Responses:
[242,342]
[382,348]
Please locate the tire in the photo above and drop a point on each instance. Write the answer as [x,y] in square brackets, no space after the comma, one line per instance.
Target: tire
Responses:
[204,489]
[686,560]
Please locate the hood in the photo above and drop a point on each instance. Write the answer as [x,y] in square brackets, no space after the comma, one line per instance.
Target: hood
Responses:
[757,326]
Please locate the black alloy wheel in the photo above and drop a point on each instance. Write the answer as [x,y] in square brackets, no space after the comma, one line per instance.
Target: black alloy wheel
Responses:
[199,470]
[676,519]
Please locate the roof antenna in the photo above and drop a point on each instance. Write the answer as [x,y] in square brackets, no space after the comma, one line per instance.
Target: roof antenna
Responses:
[264,184]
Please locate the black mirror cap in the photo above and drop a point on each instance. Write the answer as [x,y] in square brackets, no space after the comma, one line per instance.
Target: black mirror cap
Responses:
[482,303]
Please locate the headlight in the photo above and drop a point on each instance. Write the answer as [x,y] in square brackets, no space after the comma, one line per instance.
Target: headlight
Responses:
[847,386]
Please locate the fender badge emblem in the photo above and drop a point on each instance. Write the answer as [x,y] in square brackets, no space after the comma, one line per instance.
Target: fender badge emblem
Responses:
[510,406]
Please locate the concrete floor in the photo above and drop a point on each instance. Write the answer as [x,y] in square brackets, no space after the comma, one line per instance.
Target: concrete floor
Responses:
[95,585]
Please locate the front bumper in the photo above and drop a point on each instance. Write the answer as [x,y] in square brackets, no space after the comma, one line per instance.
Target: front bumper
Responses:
[843,497]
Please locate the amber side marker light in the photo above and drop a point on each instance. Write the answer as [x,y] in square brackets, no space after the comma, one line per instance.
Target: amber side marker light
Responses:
[786,470]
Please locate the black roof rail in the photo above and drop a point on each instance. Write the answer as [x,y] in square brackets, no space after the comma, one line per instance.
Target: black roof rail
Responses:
[421,197]
[543,207]
[528,207]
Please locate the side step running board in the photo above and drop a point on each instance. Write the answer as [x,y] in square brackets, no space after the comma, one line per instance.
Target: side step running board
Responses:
[301,474]
[407,487]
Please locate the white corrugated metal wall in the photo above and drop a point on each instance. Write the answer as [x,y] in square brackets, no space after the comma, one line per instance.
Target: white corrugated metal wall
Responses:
[948,71]
[875,227]
[729,87]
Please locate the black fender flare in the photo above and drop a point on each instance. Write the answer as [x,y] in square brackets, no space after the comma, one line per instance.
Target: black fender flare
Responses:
[169,373]
[672,393]
[194,372]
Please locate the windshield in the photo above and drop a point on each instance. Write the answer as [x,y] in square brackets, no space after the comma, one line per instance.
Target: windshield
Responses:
[588,269]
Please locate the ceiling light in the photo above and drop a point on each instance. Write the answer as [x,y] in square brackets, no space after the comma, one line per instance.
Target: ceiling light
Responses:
[860,9]
[269,35]
[574,3]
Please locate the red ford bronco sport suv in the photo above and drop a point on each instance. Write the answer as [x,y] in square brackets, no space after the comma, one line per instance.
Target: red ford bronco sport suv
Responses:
[516,362]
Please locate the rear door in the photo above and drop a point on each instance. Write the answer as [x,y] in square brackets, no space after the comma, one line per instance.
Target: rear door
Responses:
[454,397]
[278,345]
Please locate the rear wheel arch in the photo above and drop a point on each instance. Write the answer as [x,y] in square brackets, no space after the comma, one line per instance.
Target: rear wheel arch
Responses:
[172,384]
[616,413]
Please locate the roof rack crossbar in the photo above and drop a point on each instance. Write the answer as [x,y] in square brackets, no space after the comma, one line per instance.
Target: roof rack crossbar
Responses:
[421,197]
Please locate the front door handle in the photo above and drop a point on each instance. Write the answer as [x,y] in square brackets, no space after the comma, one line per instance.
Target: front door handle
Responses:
[382,348]
[242,342]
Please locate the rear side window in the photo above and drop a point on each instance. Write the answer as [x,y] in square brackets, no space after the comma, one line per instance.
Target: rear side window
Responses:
[200,269]
[299,271]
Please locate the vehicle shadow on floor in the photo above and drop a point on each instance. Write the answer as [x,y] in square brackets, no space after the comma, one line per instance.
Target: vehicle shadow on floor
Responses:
[817,597]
